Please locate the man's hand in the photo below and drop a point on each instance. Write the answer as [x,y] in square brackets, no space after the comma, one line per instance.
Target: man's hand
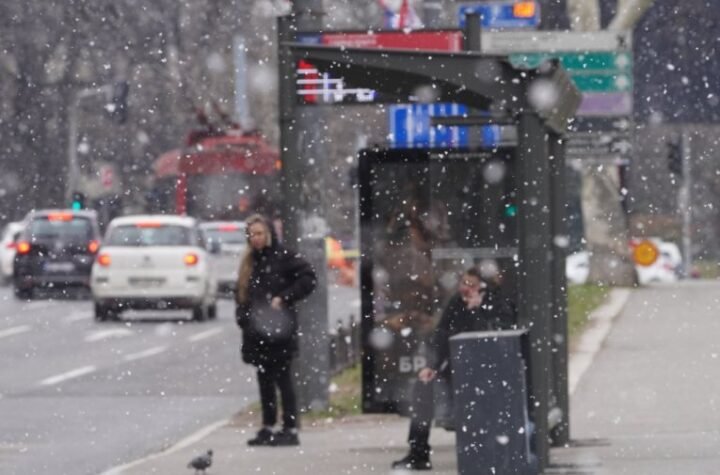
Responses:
[475,299]
[276,303]
[426,375]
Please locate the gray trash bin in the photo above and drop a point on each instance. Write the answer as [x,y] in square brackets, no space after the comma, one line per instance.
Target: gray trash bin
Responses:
[491,415]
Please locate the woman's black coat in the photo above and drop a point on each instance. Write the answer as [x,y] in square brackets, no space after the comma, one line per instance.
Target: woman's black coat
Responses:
[277,272]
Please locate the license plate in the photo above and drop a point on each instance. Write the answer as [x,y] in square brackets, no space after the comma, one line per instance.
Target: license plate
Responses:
[59,267]
[146,281]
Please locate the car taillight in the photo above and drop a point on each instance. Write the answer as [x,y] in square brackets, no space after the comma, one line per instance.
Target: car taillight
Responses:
[93,247]
[11,245]
[60,217]
[23,247]
[104,260]
[191,259]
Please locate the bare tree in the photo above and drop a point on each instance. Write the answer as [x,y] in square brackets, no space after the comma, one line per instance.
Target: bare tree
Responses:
[606,225]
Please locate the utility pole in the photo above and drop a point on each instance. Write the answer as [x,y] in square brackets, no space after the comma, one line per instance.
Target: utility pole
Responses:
[684,200]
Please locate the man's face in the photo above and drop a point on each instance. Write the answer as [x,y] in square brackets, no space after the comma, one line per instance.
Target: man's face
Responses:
[470,285]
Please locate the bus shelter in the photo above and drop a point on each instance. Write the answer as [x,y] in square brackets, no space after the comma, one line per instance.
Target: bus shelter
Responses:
[427,214]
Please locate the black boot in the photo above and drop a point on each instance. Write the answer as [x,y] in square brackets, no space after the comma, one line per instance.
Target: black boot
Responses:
[263,437]
[417,459]
[285,437]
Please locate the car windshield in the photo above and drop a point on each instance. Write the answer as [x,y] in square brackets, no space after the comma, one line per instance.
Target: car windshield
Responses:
[226,235]
[67,229]
[137,236]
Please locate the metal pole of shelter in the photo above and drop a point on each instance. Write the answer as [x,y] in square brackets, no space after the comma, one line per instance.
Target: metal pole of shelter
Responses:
[291,165]
[535,252]
[313,362]
[560,434]
[472,33]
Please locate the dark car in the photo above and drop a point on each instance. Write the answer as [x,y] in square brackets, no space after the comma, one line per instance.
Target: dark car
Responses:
[56,249]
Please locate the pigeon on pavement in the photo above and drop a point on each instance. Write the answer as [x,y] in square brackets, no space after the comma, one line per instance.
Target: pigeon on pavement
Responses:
[201,462]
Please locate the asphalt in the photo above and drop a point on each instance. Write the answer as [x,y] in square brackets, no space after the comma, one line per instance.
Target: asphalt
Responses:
[644,400]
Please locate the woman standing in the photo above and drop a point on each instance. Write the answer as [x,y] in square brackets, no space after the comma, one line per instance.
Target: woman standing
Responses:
[270,281]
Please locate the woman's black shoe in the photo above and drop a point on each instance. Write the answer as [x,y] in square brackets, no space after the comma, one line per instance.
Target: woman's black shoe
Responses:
[413,462]
[263,437]
[285,438]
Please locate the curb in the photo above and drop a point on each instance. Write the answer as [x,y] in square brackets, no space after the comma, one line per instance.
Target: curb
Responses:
[186,442]
[600,322]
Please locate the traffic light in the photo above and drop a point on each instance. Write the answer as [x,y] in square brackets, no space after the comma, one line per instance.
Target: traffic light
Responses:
[118,104]
[675,158]
[78,200]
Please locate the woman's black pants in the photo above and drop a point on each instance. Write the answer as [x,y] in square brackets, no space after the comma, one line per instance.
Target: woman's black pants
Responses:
[273,376]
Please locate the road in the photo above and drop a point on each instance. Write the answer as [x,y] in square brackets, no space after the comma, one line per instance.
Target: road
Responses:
[78,397]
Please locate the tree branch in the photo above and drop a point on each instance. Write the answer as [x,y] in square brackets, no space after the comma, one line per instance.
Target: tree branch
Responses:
[629,12]
[584,15]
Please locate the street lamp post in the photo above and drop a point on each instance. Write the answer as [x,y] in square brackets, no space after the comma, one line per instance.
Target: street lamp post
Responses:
[73,175]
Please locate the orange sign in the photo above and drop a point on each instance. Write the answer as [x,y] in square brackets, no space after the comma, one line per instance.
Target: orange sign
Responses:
[645,253]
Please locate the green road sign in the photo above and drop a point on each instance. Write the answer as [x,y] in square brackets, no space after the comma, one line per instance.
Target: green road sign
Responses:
[573,62]
[604,82]
[597,71]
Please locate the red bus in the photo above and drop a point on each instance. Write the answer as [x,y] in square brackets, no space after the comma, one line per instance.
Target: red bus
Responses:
[219,177]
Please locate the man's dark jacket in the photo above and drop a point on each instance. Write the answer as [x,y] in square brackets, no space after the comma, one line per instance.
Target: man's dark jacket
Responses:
[493,314]
[277,272]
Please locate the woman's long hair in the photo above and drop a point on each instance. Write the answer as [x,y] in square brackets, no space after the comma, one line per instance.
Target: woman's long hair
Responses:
[246,263]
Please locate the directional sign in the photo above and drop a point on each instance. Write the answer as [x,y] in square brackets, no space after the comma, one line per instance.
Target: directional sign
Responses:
[599,62]
[576,62]
[508,42]
[599,145]
[599,71]
[499,15]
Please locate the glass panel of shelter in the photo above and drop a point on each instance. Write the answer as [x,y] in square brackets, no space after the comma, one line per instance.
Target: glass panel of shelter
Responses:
[431,220]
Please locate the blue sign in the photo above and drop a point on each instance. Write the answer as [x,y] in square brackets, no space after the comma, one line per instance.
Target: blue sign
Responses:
[491,135]
[410,126]
[309,38]
[500,15]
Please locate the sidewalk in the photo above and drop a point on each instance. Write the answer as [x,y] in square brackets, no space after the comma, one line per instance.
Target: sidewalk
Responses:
[361,445]
[649,403]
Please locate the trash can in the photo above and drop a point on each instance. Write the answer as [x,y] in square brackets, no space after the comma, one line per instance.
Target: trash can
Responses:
[492,428]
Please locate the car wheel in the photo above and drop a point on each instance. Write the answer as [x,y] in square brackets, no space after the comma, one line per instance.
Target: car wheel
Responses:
[104,313]
[24,294]
[200,313]
[212,311]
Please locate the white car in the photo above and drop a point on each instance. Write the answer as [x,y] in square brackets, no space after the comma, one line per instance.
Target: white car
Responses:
[665,269]
[577,267]
[227,242]
[153,262]
[8,241]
